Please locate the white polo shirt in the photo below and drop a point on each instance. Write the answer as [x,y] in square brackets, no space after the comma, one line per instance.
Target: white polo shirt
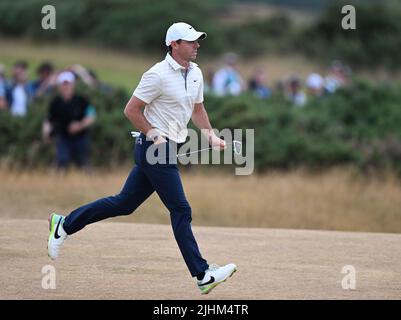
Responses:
[170,98]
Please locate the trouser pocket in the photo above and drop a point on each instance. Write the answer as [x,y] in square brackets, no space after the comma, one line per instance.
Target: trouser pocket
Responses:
[147,153]
[140,149]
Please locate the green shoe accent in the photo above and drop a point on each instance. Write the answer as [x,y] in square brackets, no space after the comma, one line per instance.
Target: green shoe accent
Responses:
[52,225]
[207,289]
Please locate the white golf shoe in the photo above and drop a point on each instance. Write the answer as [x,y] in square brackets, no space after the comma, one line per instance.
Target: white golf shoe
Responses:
[57,235]
[214,276]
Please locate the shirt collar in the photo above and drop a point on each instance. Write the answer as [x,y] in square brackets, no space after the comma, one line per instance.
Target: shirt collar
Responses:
[175,65]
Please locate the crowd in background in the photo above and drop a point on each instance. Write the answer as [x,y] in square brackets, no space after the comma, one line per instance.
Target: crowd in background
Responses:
[18,92]
[227,80]
[70,115]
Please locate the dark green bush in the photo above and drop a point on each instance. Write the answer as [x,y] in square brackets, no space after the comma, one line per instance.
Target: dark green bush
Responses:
[358,125]
[134,25]
[375,41]
[259,36]
[141,25]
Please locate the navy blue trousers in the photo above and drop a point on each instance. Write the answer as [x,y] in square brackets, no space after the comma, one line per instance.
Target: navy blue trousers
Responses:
[142,181]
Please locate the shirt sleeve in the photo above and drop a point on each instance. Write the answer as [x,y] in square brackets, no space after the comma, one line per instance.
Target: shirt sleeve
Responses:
[199,97]
[149,88]
[89,109]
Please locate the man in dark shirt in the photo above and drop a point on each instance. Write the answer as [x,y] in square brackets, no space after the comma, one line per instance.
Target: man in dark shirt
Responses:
[68,120]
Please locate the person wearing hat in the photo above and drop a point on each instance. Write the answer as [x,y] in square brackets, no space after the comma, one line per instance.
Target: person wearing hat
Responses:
[169,94]
[68,121]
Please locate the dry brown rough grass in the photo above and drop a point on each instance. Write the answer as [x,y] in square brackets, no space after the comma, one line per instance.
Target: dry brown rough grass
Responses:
[334,200]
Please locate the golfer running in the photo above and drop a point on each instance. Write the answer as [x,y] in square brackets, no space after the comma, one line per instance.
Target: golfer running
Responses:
[171,93]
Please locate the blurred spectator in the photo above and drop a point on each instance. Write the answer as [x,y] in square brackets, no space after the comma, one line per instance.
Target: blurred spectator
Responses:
[46,81]
[69,118]
[257,84]
[90,78]
[337,77]
[294,92]
[227,80]
[3,100]
[315,85]
[19,94]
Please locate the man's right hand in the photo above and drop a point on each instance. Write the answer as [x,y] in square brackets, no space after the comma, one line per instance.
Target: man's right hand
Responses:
[154,135]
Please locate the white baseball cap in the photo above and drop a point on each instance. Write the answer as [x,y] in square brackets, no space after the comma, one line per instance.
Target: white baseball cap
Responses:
[183,31]
[65,76]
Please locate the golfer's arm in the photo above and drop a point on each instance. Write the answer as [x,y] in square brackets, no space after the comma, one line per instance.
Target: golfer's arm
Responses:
[134,112]
[201,119]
